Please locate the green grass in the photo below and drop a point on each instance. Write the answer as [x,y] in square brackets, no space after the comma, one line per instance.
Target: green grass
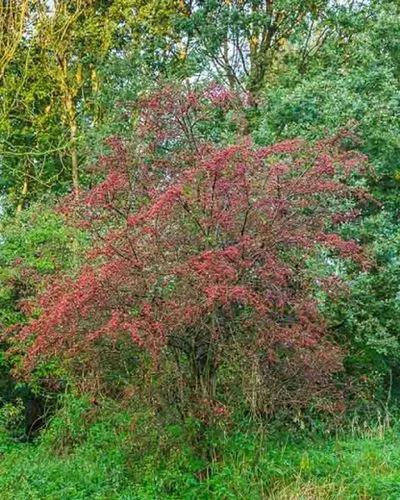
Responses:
[109,455]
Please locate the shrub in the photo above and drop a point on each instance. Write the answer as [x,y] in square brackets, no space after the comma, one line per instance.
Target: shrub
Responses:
[198,257]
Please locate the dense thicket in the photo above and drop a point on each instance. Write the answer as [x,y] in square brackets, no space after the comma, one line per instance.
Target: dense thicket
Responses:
[200,205]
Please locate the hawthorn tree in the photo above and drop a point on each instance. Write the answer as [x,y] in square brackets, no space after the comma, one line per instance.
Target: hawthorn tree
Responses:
[199,251]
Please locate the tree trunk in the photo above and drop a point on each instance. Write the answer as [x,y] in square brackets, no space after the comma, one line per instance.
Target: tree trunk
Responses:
[73,131]
[24,192]
[74,158]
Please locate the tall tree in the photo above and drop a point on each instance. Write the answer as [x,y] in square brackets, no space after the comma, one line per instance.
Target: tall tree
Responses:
[243,39]
[13,23]
[63,78]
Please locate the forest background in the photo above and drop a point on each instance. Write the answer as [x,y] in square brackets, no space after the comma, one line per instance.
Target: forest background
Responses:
[200,249]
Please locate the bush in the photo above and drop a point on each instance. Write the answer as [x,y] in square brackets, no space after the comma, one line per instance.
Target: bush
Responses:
[197,258]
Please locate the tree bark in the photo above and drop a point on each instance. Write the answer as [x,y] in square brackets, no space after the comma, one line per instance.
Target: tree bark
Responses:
[24,192]
[73,131]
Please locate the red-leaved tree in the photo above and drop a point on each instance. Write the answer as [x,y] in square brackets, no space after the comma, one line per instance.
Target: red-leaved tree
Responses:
[199,251]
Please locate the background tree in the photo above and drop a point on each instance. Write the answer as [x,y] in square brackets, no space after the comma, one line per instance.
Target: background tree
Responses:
[67,76]
[245,41]
[13,23]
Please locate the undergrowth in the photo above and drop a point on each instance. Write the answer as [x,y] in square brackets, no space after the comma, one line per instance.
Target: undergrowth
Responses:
[102,451]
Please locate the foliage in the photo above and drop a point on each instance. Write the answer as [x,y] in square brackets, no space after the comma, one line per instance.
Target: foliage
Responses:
[322,102]
[61,83]
[367,317]
[245,41]
[115,455]
[355,84]
[34,246]
[212,285]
